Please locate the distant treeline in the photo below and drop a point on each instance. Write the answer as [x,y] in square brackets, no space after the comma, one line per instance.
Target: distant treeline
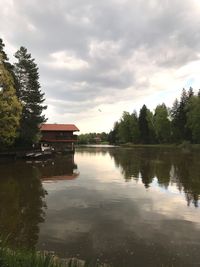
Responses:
[21,100]
[93,138]
[165,125]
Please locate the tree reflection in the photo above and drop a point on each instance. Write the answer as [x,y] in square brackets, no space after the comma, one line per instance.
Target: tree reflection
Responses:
[169,166]
[22,197]
[21,204]
[124,159]
[187,166]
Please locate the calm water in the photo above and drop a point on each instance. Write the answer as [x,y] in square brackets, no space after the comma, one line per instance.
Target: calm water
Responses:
[125,207]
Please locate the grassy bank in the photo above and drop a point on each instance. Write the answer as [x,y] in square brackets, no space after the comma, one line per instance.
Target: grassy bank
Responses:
[183,145]
[23,258]
[12,258]
[149,145]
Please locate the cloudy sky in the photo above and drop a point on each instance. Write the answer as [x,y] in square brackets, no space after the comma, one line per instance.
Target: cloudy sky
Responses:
[97,58]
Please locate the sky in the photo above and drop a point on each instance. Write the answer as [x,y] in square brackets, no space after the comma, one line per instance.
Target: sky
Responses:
[98,58]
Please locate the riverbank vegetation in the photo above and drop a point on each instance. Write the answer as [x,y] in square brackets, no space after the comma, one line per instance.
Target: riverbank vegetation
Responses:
[21,100]
[24,258]
[11,258]
[177,125]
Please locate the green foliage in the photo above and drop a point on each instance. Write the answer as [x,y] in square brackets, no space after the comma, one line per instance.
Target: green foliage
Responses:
[151,126]
[29,93]
[19,258]
[193,117]
[26,258]
[181,123]
[10,107]
[146,126]
[92,138]
[113,136]
[143,125]
[180,129]
[128,128]
[162,124]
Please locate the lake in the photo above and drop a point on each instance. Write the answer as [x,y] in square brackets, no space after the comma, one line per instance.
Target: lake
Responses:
[124,207]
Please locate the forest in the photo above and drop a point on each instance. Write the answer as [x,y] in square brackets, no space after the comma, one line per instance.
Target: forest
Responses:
[165,125]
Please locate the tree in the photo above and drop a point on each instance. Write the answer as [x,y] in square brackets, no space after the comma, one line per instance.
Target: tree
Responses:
[146,126]
[193,117]
[10,107]
[128,128]
[174,114]
[143,125]
[162,124]
[180,130]
[151,126]
[113,136]
[136,131]
[29,93]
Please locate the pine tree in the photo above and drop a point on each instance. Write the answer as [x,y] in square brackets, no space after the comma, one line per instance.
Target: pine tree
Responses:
[180,129]
[144,126]
[193,118]
[10,107]
[174,112]
[29,93]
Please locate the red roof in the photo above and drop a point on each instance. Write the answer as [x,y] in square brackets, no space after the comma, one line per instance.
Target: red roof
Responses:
[58,127]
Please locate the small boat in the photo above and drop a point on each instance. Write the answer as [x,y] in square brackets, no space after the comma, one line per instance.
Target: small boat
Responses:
[39,155]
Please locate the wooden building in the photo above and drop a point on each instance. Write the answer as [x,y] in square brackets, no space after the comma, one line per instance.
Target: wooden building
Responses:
[58,137]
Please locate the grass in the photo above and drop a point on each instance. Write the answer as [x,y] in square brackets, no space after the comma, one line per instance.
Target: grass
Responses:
[183,145]
[149,145]
[20,258]
[23,258]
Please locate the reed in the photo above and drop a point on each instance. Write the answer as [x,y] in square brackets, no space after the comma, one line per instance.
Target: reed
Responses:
[21,258]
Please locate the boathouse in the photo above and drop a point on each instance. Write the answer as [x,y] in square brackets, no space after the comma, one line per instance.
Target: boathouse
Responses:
[58,137]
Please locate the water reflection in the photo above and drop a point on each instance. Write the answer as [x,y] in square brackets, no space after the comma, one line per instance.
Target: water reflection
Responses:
[22,204]
[22,196]
[58,168]
[121,209]
[136,223]
[168,166]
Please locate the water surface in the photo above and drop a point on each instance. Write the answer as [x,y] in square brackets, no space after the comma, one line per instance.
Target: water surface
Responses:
[125,207]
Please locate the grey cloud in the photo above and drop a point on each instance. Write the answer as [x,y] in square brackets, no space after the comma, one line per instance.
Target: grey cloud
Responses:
[167,31]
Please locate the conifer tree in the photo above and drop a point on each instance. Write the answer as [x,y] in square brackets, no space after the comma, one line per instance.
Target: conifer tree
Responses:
[29,93]
[193,118]
[180,129]
[10,107]
[146,126]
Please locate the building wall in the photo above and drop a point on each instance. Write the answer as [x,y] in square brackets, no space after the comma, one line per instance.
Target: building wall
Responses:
[48,135]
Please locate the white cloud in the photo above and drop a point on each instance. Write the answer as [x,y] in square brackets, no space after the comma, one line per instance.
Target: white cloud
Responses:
[64,60]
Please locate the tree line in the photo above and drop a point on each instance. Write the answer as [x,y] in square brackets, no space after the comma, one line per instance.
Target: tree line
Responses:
[21,100]
[165,125]
[93,138]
